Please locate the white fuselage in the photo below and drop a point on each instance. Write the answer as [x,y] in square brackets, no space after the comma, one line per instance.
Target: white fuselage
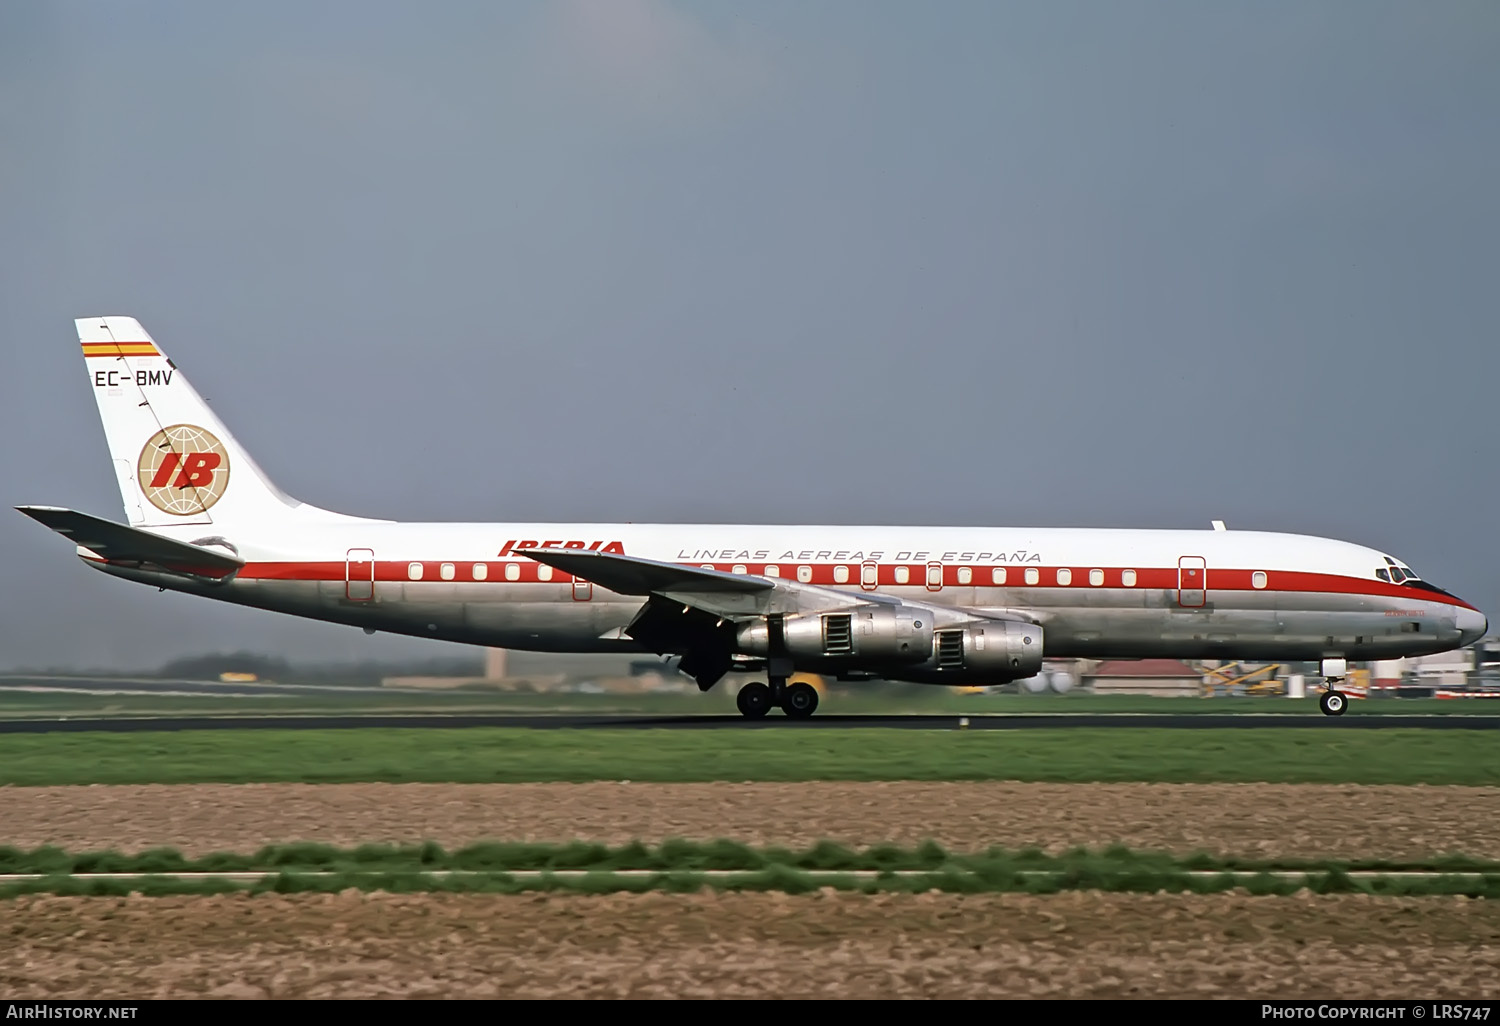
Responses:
[1098,593]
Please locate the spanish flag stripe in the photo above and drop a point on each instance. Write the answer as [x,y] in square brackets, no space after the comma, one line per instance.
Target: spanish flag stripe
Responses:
[119,349]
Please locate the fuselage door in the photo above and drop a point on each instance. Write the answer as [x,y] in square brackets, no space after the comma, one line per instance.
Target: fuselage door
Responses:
[359,575]
[1192,581]
[583,590]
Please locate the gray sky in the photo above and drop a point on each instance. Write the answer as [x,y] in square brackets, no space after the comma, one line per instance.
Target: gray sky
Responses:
[1079,264]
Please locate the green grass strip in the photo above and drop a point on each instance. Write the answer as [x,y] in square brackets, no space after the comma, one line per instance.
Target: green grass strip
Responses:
[683,856]
[482,755]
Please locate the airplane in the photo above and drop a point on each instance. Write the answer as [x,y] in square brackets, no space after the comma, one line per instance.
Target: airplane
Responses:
[932,605]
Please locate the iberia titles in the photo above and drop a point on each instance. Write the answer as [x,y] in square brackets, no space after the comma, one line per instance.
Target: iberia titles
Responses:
[596,546]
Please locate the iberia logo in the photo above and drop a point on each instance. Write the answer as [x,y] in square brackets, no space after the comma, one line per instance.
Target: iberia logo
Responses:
[183,470]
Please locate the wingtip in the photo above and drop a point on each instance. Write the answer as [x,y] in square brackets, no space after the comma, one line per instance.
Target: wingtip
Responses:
[32,511]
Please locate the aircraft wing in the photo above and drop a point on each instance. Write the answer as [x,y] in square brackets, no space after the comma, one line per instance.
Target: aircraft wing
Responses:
[631,575]
[118,543]
[713,591]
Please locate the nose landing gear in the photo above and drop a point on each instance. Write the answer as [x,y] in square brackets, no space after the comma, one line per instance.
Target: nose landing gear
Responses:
[1332,701]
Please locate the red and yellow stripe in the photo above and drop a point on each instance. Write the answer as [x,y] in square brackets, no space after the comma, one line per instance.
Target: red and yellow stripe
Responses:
[119,349]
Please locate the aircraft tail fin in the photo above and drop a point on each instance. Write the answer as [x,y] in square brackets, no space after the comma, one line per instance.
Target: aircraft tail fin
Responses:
[175,461]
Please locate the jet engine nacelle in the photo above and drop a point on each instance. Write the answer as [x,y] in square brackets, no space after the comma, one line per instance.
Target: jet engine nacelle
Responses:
[987,651]
[871,636]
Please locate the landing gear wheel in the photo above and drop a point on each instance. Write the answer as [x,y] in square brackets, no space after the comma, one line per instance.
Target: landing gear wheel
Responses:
[754,700]
[800,701]
[1333,703]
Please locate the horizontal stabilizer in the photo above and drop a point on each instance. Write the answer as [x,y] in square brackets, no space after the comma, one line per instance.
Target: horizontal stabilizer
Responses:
[631,575]
[117,543]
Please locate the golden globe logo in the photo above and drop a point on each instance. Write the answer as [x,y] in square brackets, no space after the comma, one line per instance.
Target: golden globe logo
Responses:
[183,470]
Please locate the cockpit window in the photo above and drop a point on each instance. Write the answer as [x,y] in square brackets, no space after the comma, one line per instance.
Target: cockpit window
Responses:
[1395,572]
[1403,575]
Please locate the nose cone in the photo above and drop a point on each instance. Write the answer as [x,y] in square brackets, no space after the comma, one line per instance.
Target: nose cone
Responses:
[1472,626]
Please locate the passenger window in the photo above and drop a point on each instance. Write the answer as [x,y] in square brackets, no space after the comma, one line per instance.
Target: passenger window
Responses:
[739,568]
[1127,578]
[544,572]
[997,575]
[1033,575]
[772,570]
[804,574]
[446,571]
[1065,577]
[481,571]
[868,575]
[512,571]
[1258,579]
[965,575]
[903,574]
[934,575]
[414,571]
[841,574]
[1096,577]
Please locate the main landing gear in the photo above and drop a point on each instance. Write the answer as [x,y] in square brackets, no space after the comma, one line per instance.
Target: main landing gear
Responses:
[798,701]
[1332,701]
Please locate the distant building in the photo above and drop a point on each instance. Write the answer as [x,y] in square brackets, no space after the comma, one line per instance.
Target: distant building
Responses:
[1443,669]
[494,664]
[1165,678]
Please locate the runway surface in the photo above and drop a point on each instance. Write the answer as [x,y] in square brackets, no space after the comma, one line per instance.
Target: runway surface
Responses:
[158,687]
[1198,721]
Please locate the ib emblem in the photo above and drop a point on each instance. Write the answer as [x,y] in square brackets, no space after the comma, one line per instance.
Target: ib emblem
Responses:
[183,470]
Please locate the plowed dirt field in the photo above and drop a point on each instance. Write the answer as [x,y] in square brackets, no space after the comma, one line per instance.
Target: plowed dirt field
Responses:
[757,945]
[749,945]
[1229,819]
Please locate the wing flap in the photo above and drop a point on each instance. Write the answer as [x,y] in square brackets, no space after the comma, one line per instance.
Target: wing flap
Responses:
[117,543]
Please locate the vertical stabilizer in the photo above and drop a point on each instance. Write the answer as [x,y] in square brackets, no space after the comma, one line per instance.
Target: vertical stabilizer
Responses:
[175,461]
